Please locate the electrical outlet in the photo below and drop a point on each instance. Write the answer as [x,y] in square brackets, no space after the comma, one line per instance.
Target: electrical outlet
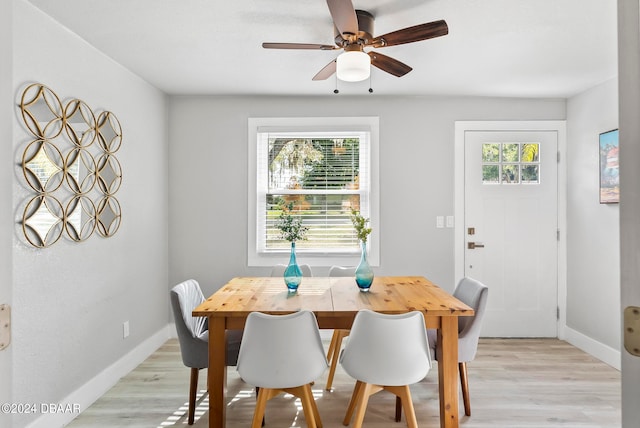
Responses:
[125,329]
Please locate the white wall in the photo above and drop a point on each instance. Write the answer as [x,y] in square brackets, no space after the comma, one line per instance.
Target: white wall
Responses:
[593,260]
[70,300]
[208,176]
[6,191]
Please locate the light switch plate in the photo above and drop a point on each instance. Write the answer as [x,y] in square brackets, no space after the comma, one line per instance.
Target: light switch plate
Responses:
[449,221]
[439,222]
[5,326]
[632,330]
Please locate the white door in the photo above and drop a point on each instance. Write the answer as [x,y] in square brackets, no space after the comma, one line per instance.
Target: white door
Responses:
[511,228]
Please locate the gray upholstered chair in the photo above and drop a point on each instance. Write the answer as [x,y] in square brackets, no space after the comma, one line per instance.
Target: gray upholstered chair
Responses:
[474,294]
[333,354]
[193,335]
[278,270]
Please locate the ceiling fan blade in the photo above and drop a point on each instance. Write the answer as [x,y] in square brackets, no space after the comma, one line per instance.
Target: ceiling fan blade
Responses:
[326,71]
[313,46]
[344,16]
[416,33]
[388,64]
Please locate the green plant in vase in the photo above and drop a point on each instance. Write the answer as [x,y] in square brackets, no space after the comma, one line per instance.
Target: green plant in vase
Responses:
[364,273]
[292,230]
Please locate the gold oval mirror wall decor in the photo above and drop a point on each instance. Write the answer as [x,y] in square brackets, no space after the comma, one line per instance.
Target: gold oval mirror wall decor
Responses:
[62,168]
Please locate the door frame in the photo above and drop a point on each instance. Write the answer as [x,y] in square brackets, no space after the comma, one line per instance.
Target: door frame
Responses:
[558,126]
[628,105]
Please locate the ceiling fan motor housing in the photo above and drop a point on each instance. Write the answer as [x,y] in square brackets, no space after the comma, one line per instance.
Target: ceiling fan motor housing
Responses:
[365,30]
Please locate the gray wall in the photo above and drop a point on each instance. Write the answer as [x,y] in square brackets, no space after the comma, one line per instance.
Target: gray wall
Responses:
[70,300]
[208,176]
[593,256]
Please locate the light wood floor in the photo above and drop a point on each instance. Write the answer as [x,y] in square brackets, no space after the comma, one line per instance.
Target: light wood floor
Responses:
[514,383]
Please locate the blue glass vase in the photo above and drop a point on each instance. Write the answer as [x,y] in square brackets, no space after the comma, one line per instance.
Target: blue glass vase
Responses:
[292,274]
[364,273]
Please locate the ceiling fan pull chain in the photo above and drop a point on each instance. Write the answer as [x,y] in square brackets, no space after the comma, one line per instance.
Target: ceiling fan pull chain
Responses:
[370,85]
[336,91]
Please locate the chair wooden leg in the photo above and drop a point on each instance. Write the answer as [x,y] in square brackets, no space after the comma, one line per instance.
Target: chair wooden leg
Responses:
[367,390]
[306,397]
[257,392]
[464,382]
[332,345]
[264,395]
[334,354]
[403,393]
[193,389]
[314,407]
[311,414]
[355,396]
[398,409]
[261,404]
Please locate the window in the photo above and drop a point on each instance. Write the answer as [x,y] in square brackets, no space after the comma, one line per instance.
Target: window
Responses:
[324,167]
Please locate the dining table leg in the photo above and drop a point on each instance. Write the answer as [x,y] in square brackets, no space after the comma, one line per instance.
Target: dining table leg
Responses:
[217,372]
[447,355]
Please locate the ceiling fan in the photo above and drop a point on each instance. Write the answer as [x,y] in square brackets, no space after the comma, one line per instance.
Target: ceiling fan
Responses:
[353,32]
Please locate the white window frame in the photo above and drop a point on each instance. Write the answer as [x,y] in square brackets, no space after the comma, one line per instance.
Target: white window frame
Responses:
[311,124]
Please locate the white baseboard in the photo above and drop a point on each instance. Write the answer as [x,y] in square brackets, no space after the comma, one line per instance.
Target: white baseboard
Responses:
[592,347]
[88,393]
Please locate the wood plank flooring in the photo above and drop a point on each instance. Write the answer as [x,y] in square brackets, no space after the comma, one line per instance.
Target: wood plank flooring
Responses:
[514,383]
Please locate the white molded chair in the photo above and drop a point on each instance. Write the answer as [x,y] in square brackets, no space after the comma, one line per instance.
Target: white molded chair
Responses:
[282,353]
[474,294]
[343,271]
[387,352]
[193,335]
[278,270]
[333,354]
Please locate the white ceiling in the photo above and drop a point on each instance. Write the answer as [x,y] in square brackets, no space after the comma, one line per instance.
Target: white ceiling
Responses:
[525,48]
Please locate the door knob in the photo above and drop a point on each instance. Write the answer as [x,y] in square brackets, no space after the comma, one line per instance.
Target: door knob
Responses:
[474,245]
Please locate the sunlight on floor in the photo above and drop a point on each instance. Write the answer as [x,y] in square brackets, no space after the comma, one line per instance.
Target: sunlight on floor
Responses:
[179,417]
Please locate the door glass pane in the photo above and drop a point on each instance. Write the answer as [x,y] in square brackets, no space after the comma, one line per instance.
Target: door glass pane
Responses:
[510,174]
[490,174]
[510,163]
[530,174]
[510,152]
[491,152]
[530,153]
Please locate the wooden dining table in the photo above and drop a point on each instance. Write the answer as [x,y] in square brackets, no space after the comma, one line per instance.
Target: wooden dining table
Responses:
[335,302]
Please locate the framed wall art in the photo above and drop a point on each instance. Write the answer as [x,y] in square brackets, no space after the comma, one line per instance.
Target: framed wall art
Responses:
[609,173]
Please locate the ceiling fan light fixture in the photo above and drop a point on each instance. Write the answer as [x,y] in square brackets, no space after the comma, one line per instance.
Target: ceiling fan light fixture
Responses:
[353,66]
